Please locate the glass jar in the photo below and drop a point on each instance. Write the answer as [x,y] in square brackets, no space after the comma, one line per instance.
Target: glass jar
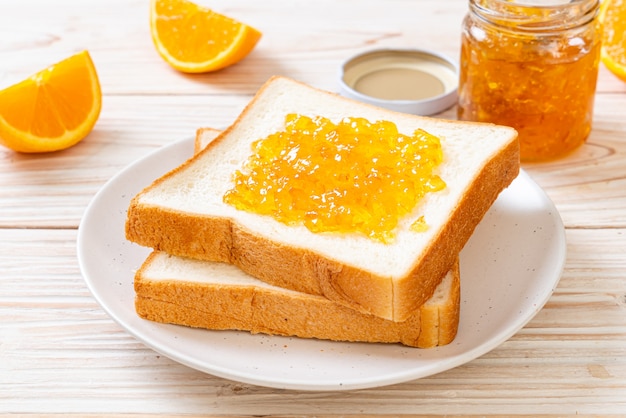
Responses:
[532,65]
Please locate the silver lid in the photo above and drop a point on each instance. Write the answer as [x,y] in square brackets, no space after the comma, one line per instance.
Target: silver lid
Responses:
[405,80]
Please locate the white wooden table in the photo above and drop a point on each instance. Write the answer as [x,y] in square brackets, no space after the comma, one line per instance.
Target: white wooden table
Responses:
[61,354]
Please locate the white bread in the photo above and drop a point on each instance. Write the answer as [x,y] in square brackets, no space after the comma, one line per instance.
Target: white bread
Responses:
[219,296]
[183,214]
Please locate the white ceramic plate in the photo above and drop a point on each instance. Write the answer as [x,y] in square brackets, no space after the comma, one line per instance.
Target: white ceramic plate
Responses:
[509,269]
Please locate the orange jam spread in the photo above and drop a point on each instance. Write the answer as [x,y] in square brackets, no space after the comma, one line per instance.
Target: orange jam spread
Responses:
[352,176]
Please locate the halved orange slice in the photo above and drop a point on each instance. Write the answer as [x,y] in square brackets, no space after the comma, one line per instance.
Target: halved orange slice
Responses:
[613,18]
[194,39]
[53,109]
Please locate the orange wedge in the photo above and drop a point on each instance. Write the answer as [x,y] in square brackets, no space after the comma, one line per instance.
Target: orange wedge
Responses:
[53,109]
[195,39]
[613,18]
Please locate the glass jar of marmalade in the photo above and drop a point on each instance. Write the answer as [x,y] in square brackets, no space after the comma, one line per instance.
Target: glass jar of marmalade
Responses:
[532,65]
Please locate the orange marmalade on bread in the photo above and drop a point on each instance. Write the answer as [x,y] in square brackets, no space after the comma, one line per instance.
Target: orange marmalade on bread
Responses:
[351,176]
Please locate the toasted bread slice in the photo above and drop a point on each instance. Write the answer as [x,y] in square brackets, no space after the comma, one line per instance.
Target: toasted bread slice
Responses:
[183,212]
[206,294]
[219,296]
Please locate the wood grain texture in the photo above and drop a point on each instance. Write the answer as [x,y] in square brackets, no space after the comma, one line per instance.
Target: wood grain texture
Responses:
[61,354]
[60,349]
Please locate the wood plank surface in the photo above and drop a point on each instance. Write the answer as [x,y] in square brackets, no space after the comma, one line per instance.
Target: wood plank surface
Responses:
[129,129]
[62,355]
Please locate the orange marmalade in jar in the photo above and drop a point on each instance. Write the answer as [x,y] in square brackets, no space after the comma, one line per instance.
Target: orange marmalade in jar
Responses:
[531,65]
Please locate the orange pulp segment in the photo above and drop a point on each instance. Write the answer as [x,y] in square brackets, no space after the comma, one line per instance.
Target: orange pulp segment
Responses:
[52,109]
[613,18]
[195,39]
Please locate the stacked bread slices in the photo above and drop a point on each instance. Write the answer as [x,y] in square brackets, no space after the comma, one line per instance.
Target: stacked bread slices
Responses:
[219,268]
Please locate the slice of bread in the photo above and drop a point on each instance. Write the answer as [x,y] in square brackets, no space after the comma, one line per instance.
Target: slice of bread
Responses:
[219,296]
[183,212]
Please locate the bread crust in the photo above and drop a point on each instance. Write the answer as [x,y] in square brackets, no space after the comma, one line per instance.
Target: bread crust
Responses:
[413,290]
[220,239]
[276,312]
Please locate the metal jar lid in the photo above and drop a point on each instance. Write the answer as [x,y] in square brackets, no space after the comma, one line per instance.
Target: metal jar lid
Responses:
[405,80]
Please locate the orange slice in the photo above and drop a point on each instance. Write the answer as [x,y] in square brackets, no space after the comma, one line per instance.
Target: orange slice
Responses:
[195,39]
[53,109]
[613,18]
